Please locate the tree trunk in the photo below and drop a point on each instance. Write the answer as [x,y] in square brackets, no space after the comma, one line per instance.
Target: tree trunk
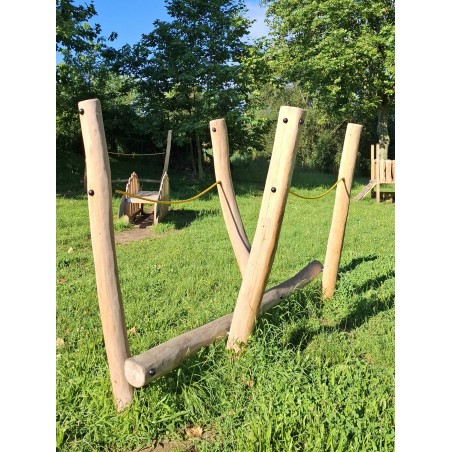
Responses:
[199,149]
[382,128]
[192,156]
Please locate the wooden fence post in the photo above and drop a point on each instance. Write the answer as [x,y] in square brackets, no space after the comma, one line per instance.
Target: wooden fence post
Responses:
[103,244]
[268,226]
[340,212]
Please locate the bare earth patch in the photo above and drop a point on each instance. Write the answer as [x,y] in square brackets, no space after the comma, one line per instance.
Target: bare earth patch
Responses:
[142,229]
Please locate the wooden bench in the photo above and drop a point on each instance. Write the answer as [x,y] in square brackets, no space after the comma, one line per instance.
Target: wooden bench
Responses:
[130,207]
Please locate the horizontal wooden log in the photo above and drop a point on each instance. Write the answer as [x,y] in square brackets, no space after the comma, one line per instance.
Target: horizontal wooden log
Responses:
[158,361]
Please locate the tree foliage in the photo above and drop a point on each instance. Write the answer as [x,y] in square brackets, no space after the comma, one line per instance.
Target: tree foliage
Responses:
[189,68]
[341,52]
[73,31]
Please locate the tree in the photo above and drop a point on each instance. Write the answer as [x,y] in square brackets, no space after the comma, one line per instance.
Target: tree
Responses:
[190,67]
[73,31]
[86,72]
[341,52]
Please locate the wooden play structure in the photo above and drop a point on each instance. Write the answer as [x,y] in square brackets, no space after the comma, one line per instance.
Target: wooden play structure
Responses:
[130,207]
[255,261]
[381,172]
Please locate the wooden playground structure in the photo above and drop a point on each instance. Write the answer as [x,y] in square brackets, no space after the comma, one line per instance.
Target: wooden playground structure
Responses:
[254,261]
[130,207]
[381,172]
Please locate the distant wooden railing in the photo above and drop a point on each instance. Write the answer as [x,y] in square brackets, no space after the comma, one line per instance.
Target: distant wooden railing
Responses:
[381,170]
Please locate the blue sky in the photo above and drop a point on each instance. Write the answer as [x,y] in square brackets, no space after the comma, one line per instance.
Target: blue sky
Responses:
[130,19]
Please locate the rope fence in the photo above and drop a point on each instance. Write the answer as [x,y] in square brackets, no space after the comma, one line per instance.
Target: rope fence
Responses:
[131,195]
[136,154]
[320,196]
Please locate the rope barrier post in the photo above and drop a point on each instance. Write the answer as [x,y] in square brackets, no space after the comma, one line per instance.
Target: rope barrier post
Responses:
[231,214]
[104,253]
[340,212]
[268,226]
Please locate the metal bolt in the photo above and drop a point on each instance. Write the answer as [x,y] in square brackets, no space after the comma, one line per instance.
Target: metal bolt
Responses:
[273,190]
[285,120]
[91,193]
[81,111]
[301,121]
[213,129]
[151,372]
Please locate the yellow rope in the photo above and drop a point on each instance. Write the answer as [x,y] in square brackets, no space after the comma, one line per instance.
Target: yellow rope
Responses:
[136,153]
[130,195]
[317,197]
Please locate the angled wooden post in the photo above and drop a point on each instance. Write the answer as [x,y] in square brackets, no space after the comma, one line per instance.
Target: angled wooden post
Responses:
[268,227]
[102,238]
[340,212]
[167,153]
[231,214]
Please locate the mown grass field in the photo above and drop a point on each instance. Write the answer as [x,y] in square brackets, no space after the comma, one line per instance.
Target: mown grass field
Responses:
[316,376]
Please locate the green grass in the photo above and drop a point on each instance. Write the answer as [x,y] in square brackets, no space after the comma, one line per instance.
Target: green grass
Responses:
[316,376]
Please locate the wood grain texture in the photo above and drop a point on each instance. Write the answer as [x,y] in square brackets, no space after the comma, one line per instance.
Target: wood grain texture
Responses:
[158,361]
[237,235]
[340,212]
[161,210]
[104,253]
[266,237]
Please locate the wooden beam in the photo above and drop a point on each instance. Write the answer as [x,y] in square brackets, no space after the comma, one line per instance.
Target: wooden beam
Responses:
[340,212]
[158,361]
[268,227]
[231,214]
[104,253]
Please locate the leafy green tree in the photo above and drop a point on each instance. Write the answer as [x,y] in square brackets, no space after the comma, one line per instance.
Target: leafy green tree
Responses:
[341,52]
[73,31]
[86,71]
[189,68]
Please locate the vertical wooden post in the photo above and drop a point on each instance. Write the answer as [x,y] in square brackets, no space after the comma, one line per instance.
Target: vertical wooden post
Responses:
[377,175]
[372,162]
[388,174]
[340,212]
[231,214]
[102,238]
[268,226]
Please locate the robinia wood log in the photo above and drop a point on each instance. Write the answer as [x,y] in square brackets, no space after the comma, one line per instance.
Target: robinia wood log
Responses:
[340,212]
[231,214]
[104,253]
[266,237]
[158,361]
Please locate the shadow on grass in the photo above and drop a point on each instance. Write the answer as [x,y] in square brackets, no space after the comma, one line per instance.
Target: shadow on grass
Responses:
[182,218]
[366,306]
[355,262]
[303,322]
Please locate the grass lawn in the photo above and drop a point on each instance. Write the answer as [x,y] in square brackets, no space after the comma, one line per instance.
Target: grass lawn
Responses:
[316,376]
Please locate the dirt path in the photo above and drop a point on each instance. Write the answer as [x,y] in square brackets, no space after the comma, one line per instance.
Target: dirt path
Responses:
[142,229]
